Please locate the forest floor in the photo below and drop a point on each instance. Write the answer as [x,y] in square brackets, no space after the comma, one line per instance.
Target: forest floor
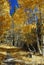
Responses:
[20,57]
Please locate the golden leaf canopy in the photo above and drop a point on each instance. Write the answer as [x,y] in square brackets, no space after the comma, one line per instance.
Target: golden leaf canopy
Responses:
[5,18]
[19,17]
[28,28]
[30,3]
[2,1]
[25,29]
[26,3]
[4,5]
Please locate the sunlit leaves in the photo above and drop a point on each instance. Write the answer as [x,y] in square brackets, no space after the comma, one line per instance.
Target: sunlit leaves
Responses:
[28,35]
[30,3]
[26,3]
[27,28]
[4,5]
[19,17]
[5,18]
[1,1]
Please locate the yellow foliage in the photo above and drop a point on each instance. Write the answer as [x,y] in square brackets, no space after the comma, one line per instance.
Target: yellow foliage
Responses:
[16,29]
[4,5]
[30,3]
[28,28]
[27,3]
[2,1]
[5,18]
[25,29]
[42,8]
[19,17]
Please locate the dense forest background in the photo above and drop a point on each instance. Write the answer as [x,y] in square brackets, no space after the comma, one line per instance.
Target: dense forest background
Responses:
[24,27]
